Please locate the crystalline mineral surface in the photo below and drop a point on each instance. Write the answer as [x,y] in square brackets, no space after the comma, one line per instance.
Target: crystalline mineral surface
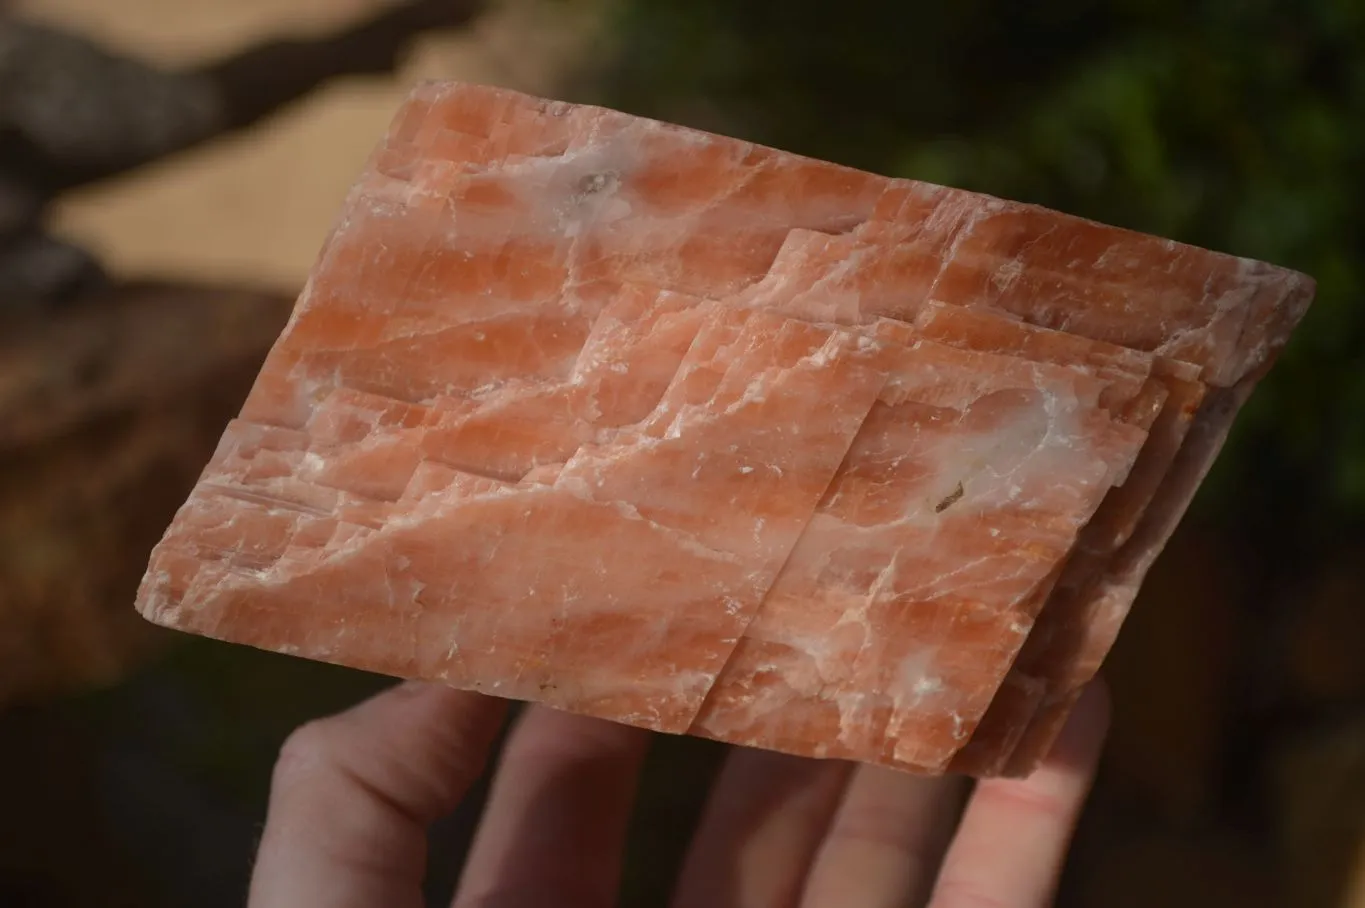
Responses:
[683,432]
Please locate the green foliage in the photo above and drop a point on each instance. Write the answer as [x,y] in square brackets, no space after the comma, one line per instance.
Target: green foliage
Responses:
[1238,125]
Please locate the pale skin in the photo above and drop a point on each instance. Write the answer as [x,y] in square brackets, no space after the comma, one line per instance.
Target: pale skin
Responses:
[353,794]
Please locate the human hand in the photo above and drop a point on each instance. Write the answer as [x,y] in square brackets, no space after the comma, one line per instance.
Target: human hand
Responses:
[353,794]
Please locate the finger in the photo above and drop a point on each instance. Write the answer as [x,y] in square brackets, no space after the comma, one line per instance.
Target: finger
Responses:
[554,829]
[760,831]
[352,796]
[1014,835]
[886,842]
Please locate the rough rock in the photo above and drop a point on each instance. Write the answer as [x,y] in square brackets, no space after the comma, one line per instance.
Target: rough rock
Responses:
[688,433]
[108,411]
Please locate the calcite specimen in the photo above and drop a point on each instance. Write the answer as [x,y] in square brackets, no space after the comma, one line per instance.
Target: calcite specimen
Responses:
[673,429]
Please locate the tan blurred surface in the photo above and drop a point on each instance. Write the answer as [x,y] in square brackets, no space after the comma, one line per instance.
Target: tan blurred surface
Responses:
[256,208]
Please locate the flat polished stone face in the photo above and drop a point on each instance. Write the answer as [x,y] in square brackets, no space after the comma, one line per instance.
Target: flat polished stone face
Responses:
[691,434]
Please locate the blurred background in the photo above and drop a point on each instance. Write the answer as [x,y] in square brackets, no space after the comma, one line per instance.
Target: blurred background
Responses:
[168,169]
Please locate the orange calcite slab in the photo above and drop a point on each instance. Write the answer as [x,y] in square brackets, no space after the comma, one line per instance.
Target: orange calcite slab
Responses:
[683,432]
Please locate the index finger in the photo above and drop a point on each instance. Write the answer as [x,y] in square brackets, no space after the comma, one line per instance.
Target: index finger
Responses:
[352,796]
